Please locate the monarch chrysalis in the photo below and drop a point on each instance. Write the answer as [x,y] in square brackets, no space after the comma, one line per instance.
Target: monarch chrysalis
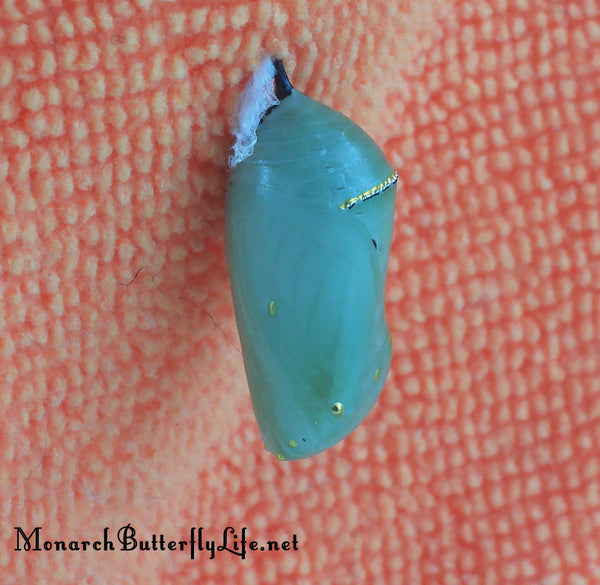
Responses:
[309,220]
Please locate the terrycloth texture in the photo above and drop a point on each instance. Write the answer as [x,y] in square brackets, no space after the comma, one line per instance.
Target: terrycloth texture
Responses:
[123,393]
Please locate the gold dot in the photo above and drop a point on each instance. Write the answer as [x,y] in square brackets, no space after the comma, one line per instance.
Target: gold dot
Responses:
[272,309]
[337,408]
[377,374]
[292,443]
[280,457]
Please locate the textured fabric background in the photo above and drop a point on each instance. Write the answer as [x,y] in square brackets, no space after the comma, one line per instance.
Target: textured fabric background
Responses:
[123,396]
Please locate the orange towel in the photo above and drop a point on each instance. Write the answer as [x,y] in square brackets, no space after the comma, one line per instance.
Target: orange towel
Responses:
[124,400]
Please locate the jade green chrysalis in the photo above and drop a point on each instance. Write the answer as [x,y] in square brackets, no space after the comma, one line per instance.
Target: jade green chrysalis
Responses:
[309,220]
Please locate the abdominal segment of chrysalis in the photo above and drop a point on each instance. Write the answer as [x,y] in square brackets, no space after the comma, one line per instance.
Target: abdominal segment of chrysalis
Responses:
[309,220]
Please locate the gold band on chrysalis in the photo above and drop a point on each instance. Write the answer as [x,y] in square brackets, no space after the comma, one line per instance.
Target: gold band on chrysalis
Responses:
[371,192]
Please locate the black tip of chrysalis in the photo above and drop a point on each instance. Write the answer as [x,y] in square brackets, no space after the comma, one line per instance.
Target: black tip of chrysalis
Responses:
[283,87]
